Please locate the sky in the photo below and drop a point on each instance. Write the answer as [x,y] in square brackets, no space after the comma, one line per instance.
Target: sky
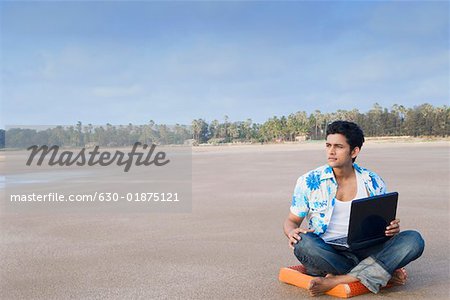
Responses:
[172,62]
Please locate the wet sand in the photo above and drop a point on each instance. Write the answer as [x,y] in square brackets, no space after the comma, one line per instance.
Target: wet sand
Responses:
[231,245]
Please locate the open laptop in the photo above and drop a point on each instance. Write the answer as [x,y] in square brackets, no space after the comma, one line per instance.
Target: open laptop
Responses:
[369,218]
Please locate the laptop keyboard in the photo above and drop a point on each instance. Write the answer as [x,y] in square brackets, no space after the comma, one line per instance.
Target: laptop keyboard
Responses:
[340,241]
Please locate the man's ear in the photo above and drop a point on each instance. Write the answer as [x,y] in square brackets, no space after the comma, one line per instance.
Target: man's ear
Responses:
[355,152]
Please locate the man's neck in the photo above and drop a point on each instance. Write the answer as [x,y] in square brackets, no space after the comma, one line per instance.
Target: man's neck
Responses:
[343,172]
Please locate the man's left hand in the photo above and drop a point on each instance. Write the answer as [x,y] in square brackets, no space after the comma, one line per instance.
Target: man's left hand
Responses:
[393,228]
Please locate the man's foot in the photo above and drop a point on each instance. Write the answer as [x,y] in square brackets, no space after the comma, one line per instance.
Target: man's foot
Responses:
[320,285]
[399,277]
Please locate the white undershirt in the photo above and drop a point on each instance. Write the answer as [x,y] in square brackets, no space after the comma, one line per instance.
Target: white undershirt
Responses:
[340,218]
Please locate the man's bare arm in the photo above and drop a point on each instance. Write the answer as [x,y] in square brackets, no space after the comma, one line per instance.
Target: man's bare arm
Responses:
[292,229]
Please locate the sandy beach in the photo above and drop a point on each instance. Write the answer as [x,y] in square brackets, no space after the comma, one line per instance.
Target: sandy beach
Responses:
[231,245]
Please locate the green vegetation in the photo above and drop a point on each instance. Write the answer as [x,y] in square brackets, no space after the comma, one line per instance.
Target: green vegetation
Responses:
[422,120]
[89,136]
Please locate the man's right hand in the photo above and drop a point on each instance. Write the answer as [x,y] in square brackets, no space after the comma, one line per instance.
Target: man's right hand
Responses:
[294,235]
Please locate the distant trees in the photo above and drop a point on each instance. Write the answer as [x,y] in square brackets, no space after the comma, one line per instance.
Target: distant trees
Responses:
[200,131]
[297,124]
[2,138]
[109,135]
[421,120]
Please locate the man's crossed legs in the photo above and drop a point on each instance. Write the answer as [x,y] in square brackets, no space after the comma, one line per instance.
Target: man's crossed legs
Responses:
[373,266]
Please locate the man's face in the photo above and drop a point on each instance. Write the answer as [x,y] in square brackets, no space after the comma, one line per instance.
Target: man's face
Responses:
[338,151]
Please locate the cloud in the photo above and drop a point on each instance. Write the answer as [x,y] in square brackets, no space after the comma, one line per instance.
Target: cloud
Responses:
[117,91]
[400,19]
[197,69]
[388,74]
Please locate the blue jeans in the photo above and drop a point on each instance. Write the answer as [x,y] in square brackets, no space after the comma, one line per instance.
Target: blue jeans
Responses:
[373,266]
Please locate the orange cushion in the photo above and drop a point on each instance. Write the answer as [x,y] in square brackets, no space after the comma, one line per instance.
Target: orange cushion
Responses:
[296,275]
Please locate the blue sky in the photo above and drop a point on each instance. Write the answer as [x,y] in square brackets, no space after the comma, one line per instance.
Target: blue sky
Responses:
[122,62]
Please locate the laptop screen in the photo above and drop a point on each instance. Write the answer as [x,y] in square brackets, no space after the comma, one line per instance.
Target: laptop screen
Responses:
[370,216]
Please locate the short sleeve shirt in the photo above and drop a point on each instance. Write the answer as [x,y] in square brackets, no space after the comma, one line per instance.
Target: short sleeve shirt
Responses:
[315,192]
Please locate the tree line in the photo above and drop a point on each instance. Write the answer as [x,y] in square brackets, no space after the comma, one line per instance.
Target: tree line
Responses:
[89,135]
[421,120]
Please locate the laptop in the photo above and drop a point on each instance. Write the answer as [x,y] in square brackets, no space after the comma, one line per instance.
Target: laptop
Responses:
[369,218]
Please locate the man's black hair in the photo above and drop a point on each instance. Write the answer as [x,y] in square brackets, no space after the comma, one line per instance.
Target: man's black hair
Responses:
[353,134]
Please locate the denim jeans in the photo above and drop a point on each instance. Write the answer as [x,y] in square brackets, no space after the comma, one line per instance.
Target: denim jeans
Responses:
[373,266]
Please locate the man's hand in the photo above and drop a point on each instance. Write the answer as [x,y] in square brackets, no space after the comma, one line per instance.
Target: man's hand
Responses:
[393,228]
[294,235]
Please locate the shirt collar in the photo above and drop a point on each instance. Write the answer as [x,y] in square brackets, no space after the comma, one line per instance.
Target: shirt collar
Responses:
[327,172]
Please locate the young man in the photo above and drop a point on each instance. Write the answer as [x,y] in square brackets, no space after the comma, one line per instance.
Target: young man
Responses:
[324,196]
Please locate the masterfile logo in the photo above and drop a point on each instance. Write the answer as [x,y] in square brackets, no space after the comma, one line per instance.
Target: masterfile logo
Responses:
[119,169]
[94,157]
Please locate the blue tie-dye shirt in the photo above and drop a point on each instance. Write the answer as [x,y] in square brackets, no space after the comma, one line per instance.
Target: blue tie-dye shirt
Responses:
[315,192]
